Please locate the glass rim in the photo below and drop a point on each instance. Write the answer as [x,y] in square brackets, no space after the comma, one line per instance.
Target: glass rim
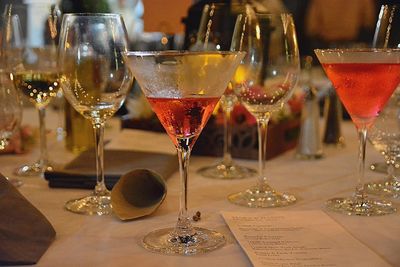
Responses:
[355,50]
[180,53]
[92,15]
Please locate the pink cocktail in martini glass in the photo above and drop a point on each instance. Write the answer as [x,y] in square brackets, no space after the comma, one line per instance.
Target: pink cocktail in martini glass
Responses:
[183,88]
[364,80]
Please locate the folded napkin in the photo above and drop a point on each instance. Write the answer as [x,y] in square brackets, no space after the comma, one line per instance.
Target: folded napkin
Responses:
[81,171]
[25,234]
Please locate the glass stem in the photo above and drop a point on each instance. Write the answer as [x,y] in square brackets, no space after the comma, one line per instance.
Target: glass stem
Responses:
[262,126]
[227,156]
[184,230]
[100,189]
[360,190]
[43,141]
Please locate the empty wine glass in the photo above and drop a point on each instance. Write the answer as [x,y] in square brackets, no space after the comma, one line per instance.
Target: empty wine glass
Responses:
[215,34]
[95,80]
[266,79]
[10,113]
[34,67]
[183,88]
[384,135]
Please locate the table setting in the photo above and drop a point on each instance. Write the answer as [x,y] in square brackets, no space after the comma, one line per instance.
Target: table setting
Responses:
[142,197]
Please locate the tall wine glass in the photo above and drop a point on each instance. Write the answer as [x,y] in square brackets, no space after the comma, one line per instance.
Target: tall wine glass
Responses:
[364,79]
[10,113]
[385,137]
[267,78]
[34,67]
[215,33]
[183,89]
[95,80]
[384,134]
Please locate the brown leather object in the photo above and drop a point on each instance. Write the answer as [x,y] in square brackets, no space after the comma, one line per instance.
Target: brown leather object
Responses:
[25,233]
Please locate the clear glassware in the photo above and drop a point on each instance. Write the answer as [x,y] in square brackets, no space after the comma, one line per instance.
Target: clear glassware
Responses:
[33,62]
[95,80]
[384,135]
[215,33]
[10,113]
[364,79]
[183,88]
[265,80]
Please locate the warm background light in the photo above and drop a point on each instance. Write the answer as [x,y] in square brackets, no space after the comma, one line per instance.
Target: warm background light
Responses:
[165,16]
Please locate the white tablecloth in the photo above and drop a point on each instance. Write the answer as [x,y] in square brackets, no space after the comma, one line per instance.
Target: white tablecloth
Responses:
[106,241]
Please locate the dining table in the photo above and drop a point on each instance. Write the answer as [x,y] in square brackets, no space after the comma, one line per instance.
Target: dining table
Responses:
[83,240]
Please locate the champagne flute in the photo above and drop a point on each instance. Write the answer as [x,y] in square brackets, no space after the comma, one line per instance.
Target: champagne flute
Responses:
[183,88]
[95,80]
[364,79]
[215,33]
[34,67]
[266,80]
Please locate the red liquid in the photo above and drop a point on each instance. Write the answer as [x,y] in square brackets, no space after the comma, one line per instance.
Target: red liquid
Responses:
[183,117]
[363,88]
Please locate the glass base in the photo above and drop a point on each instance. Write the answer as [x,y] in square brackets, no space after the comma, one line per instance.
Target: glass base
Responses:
[90,205]
[360,207]
[165,242]
[255,198]
[15,182]
[386,188]
[227,172]
[35,169]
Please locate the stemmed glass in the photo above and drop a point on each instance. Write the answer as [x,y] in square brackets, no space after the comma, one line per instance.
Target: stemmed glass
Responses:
[385,137]
[269,74]
[95,80]
[183,88]
[364,79]
[215,33]
[10,113]
[34,67]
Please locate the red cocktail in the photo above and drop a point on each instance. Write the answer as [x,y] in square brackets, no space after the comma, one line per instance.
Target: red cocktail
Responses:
[364,80]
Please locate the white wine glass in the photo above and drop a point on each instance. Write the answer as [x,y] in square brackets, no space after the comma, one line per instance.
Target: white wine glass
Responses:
[215,34]
[265,79]
[95,80]
[33,63]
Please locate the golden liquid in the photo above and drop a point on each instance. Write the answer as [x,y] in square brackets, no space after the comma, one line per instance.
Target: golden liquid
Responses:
[39,87]
[79,130]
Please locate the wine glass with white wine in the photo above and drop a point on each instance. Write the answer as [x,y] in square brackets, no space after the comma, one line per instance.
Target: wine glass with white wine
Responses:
[33,63]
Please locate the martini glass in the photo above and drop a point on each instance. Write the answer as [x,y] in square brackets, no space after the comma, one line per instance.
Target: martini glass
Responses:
[267,77]
[183,89]
[364,79]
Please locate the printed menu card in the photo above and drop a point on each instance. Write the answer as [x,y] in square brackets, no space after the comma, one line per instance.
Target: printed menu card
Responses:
[298,238]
